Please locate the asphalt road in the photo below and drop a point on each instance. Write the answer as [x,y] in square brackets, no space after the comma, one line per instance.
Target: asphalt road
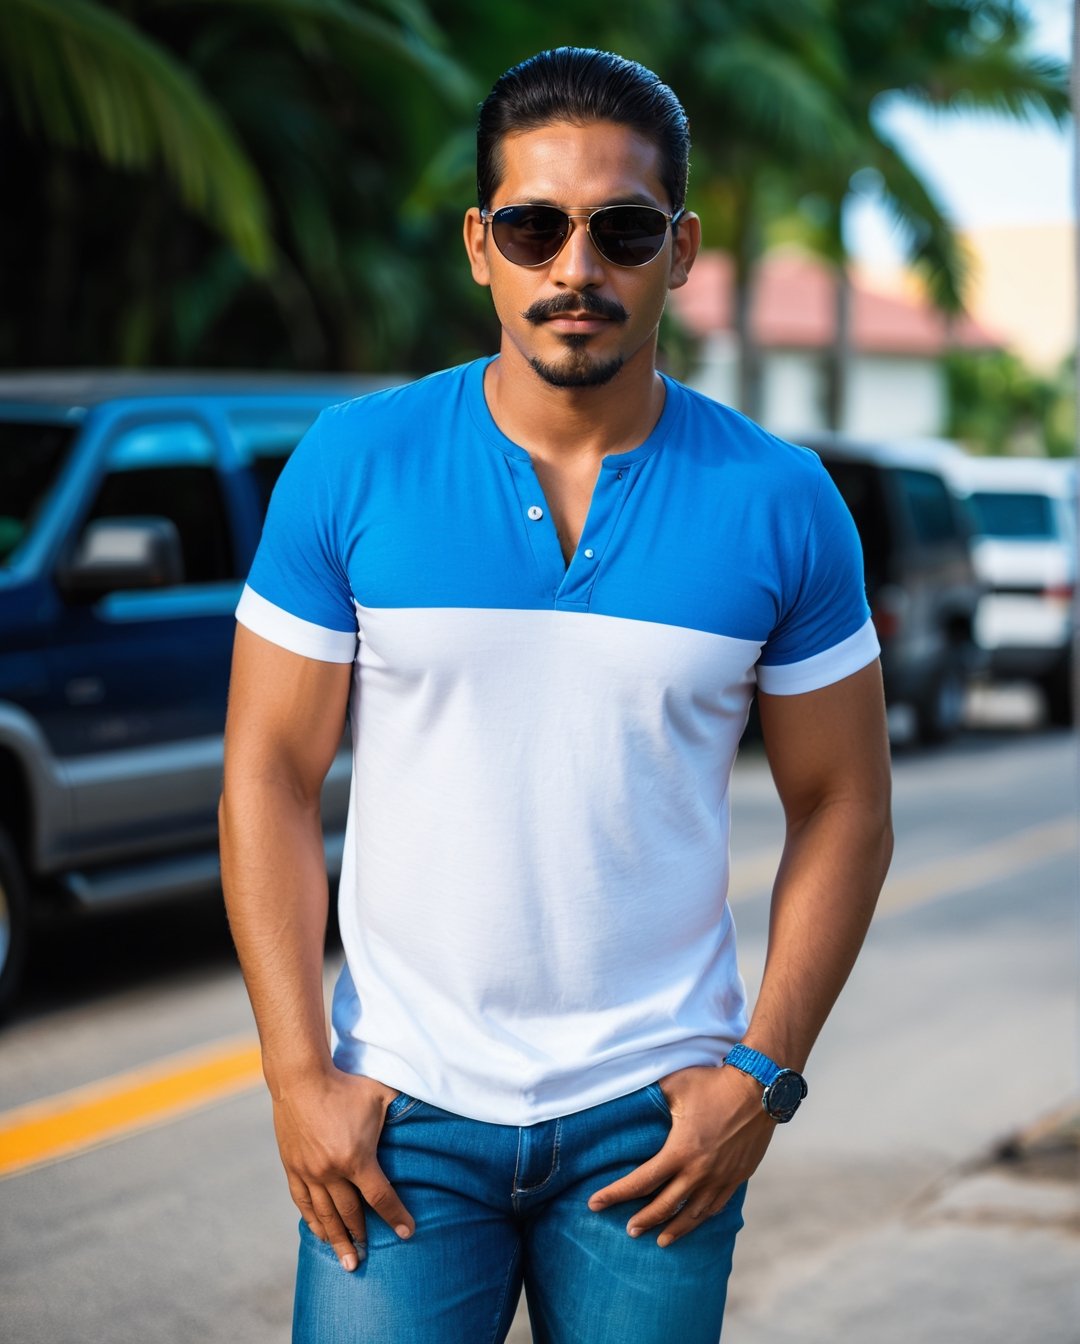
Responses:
[957,1027]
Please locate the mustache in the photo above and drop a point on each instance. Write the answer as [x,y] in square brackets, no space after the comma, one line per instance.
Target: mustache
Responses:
[545,309]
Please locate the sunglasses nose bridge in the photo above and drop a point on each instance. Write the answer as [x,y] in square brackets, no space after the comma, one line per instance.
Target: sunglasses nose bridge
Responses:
[574,256]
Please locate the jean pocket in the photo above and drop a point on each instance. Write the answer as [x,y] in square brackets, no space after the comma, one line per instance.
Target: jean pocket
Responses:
[655,1093]
[401,1106]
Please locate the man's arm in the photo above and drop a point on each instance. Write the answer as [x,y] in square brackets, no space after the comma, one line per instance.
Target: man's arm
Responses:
[286,717]
[829,755]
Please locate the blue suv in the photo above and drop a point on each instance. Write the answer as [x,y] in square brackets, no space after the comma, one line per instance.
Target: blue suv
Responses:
[130,508]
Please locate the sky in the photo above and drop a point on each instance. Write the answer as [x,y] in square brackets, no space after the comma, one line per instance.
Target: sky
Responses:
[985,170]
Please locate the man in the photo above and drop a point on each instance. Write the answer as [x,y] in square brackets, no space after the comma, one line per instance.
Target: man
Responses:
[544,587]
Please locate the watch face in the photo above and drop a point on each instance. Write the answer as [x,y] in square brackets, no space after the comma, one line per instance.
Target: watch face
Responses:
[786,1093]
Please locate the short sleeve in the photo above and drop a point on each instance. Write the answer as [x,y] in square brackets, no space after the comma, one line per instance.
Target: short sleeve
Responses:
[825,632]
[297,593]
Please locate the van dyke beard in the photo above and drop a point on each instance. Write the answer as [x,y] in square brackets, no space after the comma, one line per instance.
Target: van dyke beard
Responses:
[577,369]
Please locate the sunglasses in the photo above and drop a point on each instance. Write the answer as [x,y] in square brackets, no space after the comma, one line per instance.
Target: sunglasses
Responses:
[626,235]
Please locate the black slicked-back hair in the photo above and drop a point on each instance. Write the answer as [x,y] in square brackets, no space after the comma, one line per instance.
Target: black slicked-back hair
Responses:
[581,86]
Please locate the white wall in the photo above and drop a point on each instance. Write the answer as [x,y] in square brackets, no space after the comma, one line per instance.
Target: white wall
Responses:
[889,396]
[896,397]
[793,387]
[716,374]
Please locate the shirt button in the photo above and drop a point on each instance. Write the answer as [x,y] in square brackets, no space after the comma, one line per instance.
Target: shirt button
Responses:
[536,512]
[589,553]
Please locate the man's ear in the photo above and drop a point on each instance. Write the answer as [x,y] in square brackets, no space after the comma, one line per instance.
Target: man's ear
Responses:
[476,246]
[686,243]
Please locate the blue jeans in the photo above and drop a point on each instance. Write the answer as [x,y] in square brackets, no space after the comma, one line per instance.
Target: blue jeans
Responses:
[498,1205]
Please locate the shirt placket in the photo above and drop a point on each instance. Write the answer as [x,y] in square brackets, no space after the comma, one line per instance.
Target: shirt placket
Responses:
[571,585]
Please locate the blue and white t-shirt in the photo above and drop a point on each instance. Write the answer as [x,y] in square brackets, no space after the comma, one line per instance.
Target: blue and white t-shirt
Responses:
[533,895]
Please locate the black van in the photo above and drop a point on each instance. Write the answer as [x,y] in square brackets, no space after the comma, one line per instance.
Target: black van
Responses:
[920,580]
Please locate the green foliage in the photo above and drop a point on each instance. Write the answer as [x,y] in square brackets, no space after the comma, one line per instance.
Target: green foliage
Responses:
[82,76]
[997,405]
[280,183]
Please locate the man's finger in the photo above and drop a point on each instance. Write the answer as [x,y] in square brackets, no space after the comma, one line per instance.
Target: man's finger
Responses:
[638,1183]
[350,1209]
[669,1203]
[383,1198]
[698,1207]
[334,1230]
[300,1197]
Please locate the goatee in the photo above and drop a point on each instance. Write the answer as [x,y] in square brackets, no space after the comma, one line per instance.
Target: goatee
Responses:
[577,369]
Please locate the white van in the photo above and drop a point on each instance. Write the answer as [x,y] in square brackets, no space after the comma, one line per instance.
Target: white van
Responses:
[1023,513]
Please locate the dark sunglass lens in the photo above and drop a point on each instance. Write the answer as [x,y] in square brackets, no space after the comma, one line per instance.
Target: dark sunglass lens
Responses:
[629,235]
[529,235]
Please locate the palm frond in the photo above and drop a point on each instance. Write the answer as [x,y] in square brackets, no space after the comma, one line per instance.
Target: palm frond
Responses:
[933,246]
[413,41]
[775,98]
[1025,90]
[80,75]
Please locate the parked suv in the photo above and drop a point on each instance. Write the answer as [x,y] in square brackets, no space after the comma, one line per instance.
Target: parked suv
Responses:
[130,508]
[920,579]
[1023,516]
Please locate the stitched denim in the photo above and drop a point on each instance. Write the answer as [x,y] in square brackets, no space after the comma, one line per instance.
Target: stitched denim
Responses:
[498,1205]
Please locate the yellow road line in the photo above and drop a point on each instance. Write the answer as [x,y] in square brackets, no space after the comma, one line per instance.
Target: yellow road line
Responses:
[961,872]
[56,1127]
[753,876]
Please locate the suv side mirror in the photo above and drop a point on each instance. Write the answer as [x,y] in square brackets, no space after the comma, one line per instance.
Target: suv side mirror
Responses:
[123,553]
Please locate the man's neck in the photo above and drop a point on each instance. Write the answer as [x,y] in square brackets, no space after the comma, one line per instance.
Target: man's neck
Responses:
[563,425]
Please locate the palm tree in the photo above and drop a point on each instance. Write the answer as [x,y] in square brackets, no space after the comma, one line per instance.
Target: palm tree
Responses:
[81,76]
[760,80]
[950,56]
[112,117]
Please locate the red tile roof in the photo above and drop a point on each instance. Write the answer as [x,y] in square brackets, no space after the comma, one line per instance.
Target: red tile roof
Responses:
[794,309]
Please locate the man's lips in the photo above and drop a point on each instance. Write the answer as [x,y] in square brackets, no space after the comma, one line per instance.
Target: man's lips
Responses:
[577,322]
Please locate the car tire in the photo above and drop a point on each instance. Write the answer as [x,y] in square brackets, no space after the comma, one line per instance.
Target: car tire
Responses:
[940,709]
[1057,688]
[14,921]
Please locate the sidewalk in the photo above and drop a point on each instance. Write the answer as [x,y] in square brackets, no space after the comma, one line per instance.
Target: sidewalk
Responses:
[991,1255]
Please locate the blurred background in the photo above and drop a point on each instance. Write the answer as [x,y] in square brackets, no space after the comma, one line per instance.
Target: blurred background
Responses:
[280,185]
[222,215]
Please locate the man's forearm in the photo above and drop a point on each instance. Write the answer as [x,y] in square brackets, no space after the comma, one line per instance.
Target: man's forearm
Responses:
[273,874]
[833,865]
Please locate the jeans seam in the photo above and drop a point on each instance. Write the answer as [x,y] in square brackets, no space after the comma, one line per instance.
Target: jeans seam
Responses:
[515,1257]
[390,1120]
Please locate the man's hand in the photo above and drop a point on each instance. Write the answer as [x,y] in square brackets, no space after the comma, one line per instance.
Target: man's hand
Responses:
[719,1133]
[327,1131]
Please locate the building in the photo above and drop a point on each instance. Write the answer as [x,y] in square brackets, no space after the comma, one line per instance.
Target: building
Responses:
[896,386]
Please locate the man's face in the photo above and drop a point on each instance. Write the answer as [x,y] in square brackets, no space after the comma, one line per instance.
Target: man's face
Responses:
[578,319]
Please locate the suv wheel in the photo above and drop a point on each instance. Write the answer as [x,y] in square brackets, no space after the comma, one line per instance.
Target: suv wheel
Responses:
[939,711]
[14,914]
[1058,689]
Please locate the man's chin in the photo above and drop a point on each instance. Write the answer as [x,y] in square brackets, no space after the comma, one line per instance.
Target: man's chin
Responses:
[577,370]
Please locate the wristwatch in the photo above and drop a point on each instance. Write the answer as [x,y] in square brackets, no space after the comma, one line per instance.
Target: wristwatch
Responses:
[784,1088]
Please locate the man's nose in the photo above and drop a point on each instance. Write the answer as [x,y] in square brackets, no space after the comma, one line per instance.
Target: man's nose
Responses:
[578,264]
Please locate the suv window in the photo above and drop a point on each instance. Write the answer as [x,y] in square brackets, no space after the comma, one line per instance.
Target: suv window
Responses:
[31,456]
[167,471]
[929,506]
[265,442]
[860,486]
[1026,517]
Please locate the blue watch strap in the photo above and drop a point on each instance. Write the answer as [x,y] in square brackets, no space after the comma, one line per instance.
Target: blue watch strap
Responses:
[753,1062]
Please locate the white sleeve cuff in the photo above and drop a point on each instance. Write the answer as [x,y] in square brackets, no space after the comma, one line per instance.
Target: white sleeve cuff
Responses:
[292,633]
[822,669]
